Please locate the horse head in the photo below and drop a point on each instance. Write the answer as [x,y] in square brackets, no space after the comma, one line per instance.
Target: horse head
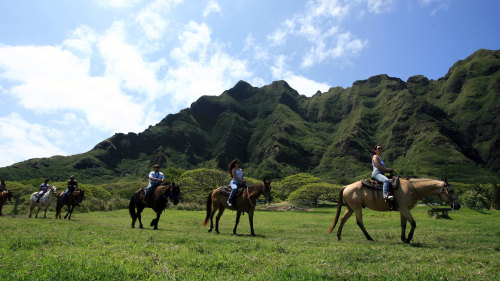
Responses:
[53,189]
[267,190]
[80,195]
[449,196]
[173,193]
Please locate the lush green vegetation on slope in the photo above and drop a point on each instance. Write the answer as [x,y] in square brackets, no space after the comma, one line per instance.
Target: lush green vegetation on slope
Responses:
[445,128]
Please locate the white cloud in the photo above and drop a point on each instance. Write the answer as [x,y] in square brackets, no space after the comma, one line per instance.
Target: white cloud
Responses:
[50,79]
[118,3]
[321,25]
[380,6]
[300,83]
[202,68]
[23,140]
[212,7]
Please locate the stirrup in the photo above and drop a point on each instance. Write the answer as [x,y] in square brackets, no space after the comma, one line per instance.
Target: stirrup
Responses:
[229,203]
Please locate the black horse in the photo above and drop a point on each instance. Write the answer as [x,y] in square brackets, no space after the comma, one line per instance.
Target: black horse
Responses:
[72,200]
[158,202]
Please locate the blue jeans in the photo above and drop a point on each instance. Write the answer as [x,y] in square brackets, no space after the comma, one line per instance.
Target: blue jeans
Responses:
[383,179]
[150,188]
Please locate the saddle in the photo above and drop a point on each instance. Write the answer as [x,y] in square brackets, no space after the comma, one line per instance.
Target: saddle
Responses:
[374,184]
[226,189]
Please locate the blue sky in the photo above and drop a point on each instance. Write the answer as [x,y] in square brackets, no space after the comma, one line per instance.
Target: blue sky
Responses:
[73,73]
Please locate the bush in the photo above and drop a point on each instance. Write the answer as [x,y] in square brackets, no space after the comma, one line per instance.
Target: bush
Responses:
[310,194]
[478,197]
[197,184]
[294,182]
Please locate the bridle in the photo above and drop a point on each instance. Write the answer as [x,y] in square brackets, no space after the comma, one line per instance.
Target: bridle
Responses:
[264,187]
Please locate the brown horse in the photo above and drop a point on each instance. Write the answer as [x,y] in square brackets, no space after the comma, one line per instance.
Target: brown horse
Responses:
[158,202]
[72,200]
[356,197]
[245,203]
[4,196]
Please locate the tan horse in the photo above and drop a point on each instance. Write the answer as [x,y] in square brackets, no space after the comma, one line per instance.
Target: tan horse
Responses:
[356,197]
[44,201]
[245,203]
[4,196]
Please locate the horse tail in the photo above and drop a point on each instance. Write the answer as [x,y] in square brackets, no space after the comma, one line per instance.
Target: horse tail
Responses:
[209,208]
[339,207]
[131,207]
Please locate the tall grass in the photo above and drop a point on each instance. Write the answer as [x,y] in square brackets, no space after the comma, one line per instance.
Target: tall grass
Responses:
[288,246]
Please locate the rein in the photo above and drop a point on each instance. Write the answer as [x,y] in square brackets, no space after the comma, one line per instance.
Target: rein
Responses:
[249,200]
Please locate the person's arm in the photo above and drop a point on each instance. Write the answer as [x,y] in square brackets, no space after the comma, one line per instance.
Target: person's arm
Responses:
[380,167]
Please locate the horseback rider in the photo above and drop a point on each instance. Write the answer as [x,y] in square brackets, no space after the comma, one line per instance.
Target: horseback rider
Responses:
[237,174]
[44,187]
[3,187]
[379,168]
[155,179]
[72,185]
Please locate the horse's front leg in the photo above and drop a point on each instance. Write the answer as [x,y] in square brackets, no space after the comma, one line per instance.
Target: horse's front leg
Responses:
[343,219]
[238,215]
[219,214]
[405,213]
[250,219]
[36,215]
[155,221]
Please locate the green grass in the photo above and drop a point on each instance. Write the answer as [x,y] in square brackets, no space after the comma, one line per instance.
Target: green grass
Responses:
[288,246]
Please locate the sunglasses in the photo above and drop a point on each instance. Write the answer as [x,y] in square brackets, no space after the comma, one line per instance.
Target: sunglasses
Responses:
[378,148]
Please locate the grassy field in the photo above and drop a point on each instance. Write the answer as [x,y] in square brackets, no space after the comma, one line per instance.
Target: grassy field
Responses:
[288,246]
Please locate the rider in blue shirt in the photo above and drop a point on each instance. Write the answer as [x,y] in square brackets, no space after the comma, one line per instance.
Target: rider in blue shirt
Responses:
[155,179]
[44,187]
[237,174]
[379,168]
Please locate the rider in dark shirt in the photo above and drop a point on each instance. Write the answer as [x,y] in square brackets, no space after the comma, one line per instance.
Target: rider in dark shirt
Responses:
[72,185]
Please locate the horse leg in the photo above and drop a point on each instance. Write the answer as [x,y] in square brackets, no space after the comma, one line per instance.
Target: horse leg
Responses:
[139,217]
[45,213]
[36,216]
[403,228]
[238,215]
[345,217]
[219,214]
[211,216]
[359,221]
[250,219]
[158,214]
[406,215]
[31,210]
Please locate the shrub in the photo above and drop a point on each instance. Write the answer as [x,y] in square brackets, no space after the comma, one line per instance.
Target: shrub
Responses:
[197,184]
[294,182]
[477,197]
[310,194]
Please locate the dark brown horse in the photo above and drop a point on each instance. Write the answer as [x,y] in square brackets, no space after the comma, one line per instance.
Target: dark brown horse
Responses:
[158,202]
[355,196]
[245,203]
[72,200]
[4,196]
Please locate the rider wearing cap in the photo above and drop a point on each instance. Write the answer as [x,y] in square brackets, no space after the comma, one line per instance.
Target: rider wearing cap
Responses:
[155,179]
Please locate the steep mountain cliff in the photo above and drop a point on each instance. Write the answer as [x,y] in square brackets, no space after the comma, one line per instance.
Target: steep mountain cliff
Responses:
[444,128]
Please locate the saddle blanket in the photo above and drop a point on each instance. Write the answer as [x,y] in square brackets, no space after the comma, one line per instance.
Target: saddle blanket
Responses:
[226,189]
[371,183]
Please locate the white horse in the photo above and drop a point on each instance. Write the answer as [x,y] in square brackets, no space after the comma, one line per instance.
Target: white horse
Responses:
[44,202]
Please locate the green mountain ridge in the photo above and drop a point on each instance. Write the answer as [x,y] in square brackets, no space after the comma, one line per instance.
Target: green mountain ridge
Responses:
[429,128]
